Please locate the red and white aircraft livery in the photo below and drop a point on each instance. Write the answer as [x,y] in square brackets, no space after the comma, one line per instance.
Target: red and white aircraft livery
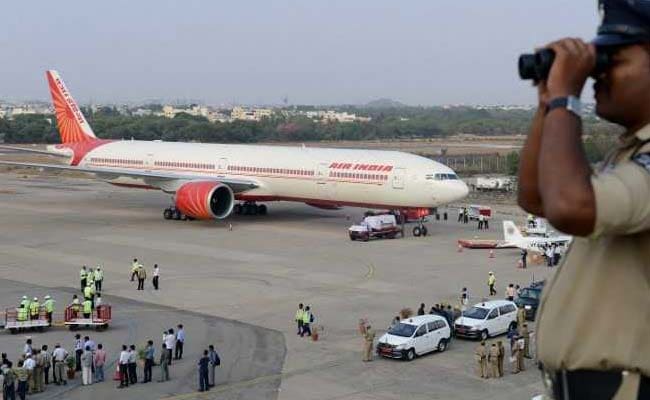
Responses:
[207,180]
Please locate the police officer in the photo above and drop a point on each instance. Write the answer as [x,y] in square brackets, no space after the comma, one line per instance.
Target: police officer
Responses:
[501,357]
[493,359]
[600,290]
[480,356]
[368,342]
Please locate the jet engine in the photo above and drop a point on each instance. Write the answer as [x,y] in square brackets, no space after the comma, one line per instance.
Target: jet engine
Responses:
[205,200]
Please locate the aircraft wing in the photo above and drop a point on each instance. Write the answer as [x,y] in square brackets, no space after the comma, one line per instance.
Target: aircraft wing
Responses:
[168,182]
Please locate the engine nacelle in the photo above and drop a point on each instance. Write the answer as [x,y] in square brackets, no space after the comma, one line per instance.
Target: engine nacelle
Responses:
[205,200]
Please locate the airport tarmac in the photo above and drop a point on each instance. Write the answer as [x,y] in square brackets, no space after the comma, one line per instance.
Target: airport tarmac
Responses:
[239,290]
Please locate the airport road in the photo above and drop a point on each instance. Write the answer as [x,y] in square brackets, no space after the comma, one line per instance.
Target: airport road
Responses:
[256,274]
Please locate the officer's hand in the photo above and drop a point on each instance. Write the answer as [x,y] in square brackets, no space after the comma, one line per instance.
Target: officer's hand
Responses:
[542,93]
[574,62]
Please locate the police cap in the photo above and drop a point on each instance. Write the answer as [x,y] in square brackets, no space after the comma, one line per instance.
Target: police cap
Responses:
[623,22]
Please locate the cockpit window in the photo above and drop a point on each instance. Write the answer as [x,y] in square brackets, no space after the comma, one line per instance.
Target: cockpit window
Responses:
[442,177]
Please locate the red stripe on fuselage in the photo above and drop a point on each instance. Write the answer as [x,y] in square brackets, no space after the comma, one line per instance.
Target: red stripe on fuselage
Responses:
[80,149]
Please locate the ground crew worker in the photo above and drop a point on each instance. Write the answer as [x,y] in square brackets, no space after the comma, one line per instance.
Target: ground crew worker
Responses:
[25,302]
[492,280]
[526,336]
[88,308]
[480,356]
[368,343]
[298,318]
[21,315]
[83,274]
[99,278]
[521,318]
[531,220]
[134,269]
[90,278]
[493,359]
[481,221]
[49,308]
[501,357]
[605,274]
[75,306]
[306,322]
[89,293]
[34,308]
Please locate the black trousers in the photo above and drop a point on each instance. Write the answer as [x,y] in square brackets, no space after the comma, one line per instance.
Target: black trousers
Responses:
[83,284]
[124,375]
[133,373]
[155,282]
[179,350]
[78,354]
[148,364]
[203,380]
[492,290]
[170,354]
[299,327]
[46,372]
[98,286]
[306,330]
[140,284]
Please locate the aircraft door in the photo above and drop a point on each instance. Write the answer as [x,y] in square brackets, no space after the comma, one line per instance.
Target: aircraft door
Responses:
[398,178]
[222,165]
[325,188]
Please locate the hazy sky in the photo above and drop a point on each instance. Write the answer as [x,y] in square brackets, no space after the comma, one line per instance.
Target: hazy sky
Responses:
[427,52]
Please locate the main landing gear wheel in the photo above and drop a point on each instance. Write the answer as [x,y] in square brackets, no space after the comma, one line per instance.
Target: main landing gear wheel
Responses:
[250,209]
[167,214]
[420,230]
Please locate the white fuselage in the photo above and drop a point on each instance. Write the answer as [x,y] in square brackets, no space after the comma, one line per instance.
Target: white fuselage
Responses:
[368,178]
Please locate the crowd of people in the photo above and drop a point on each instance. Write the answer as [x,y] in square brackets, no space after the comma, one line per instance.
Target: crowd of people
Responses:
[38,367]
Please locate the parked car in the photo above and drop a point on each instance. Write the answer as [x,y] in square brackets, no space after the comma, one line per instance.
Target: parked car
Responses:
[376,226]
[529,297]
[415,336]
[489,318]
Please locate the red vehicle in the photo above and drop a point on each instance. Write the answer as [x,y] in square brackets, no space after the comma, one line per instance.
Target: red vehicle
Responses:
[99,318]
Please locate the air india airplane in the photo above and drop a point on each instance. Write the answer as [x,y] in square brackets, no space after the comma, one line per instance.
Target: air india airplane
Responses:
[211,181]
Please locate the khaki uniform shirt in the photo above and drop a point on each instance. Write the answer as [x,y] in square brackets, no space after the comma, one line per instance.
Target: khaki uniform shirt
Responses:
[595,311]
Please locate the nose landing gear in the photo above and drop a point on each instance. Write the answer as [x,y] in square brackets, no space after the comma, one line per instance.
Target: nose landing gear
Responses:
[420,229]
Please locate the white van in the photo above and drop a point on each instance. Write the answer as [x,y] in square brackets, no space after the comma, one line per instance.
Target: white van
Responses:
[415,336]
[489,318]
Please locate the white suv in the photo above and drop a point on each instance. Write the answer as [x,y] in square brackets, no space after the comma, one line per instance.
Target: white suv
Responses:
[415,336]
[489,318]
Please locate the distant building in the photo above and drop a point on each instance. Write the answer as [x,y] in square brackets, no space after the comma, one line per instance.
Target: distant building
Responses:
[255,114]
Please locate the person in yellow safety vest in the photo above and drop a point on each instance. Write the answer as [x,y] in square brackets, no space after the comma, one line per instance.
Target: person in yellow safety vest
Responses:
[91,291]
[21,315]
[25,302]
[88,308]
[83,274]
[34,307]
[99,277]
[134,269]
[87,293]
[90,277]
[49,308]
[74,306]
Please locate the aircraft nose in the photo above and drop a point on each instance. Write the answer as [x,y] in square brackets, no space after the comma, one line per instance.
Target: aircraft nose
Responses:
[456,190]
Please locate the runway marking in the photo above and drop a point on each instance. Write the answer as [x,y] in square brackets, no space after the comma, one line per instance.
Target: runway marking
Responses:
[371,271]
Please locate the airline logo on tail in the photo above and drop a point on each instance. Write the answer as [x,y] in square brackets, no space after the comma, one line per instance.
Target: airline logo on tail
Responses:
[73,127]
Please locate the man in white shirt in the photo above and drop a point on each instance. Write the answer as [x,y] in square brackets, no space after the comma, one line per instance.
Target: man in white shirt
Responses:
[59,355]
[27,349]
[156,276]
[29,365]
[123,365]
[170,342]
